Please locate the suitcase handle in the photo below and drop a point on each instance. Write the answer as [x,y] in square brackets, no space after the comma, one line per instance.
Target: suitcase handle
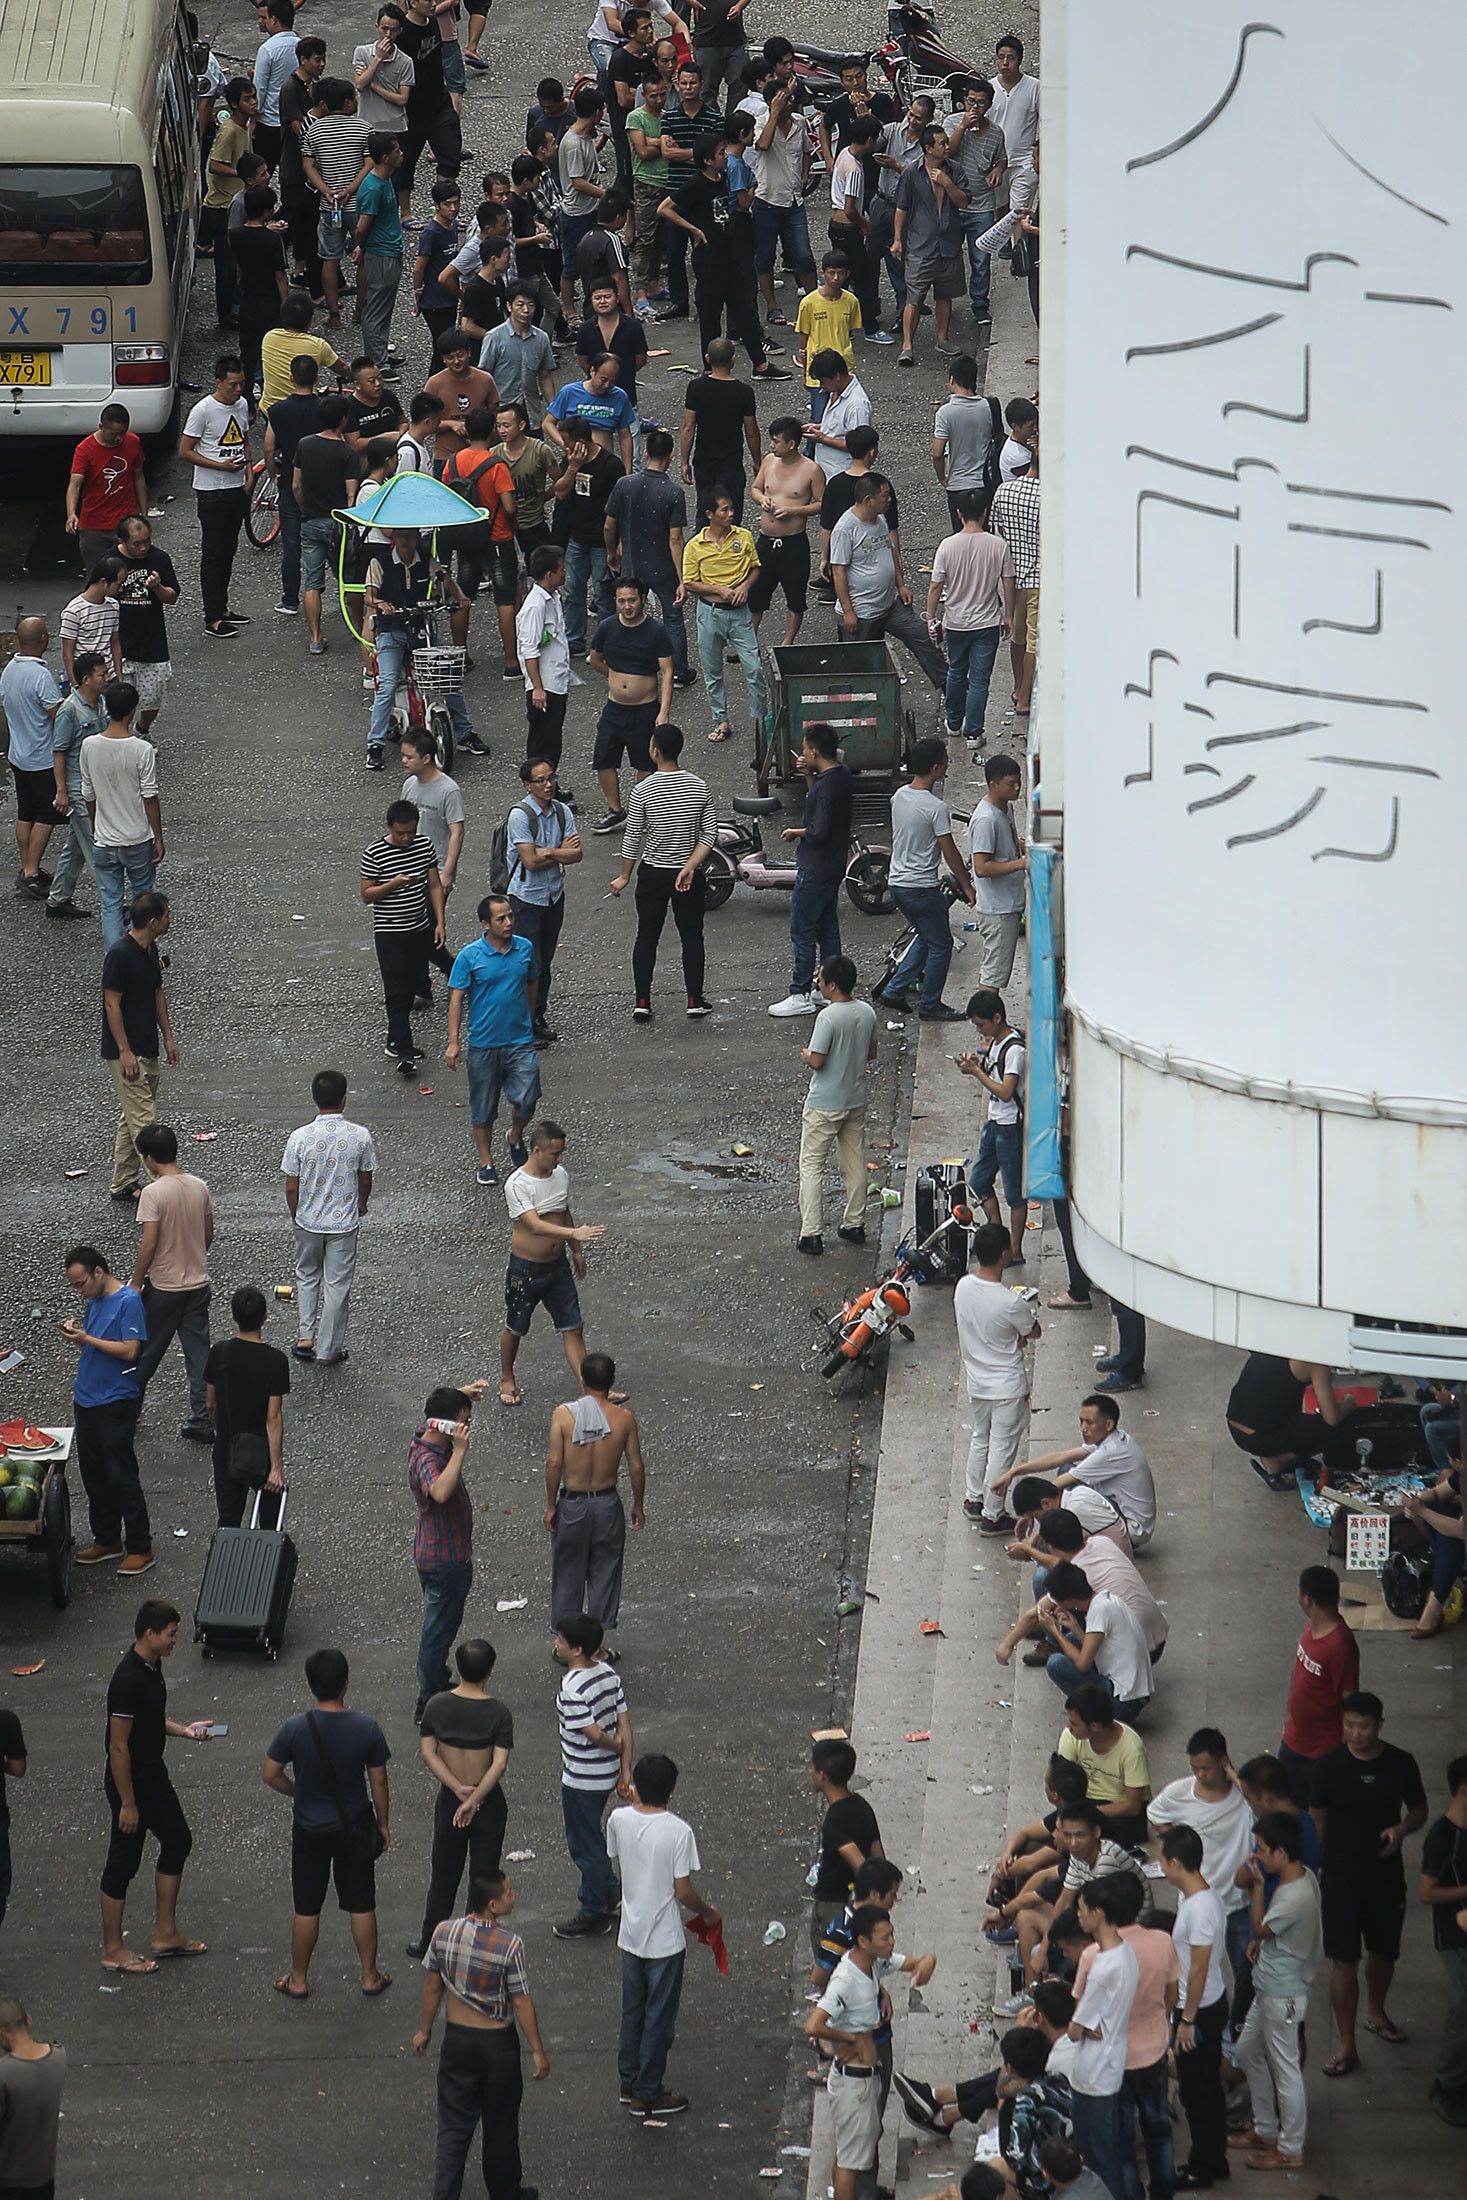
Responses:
[280,1517]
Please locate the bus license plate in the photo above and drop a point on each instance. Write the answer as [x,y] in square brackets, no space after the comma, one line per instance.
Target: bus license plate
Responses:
[27,370]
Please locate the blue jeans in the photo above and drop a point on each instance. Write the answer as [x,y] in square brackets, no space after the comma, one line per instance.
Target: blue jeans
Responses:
[651,1988]
[970,654]
[116,870]
[1438,1423]
[290,543]
[583,1810]
[585,563]
[76,855]
[1097,2121]
[814,928]
[392,652]
[729,626]
[445,1593]
[1068,1677]
[974,225]
[1143,2099]
[931,951]
[786,227]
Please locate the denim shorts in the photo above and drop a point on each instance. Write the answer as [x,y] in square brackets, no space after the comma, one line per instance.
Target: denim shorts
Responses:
[1000,1153]
[320,540]
[333,241]
[512,1071]
[547,1283]
[455,75]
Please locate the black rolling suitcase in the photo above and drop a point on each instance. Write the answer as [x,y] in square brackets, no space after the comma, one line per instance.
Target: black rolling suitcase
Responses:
[941,1186]
[245,1594]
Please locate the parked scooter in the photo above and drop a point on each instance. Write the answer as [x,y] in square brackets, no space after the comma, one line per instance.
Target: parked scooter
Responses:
[864,1320]
[739,853]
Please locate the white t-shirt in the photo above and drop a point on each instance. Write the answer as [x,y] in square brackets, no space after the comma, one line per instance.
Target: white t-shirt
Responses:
[1097,1514]
[850,409]
[918,820]
[1226,1828]
[1017,114]
[1006,1059]
[651,1850]
[1105,2005]
[118,775]
[1122,1657]
[1118,1466]
[221,431]
[1014,459]
[546,1195]
[852,2000]
[992,1325]
[1200,1924]
[847,181]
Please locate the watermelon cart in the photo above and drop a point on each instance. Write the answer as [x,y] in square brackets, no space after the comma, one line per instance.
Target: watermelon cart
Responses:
[35,1502]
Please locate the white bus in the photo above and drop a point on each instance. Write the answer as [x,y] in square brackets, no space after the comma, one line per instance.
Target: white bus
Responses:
[99,164]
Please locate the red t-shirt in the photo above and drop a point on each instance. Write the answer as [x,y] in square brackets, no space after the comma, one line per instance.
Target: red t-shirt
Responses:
[107,496]
[1326,1669]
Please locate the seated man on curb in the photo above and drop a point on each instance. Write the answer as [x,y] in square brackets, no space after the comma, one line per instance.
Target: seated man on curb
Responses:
[968,2100]
[1029,1862]
[1097,1514]
[1087,1853]
[1117,1776]
[1107,1458]
[1095,1637]
[1061,1538]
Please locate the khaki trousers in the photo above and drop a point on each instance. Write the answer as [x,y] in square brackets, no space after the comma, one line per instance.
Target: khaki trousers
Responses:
[819,1131]
[138,1099]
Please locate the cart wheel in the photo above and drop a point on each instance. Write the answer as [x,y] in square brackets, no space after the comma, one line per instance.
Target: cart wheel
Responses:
[719,879]
[440,730]
[866,883]
[60,1542]
[262,513]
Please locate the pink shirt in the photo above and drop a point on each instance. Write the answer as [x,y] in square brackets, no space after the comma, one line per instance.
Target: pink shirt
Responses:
[1148,2033]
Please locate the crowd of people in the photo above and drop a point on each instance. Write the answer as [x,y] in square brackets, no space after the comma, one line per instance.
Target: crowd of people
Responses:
[672,182]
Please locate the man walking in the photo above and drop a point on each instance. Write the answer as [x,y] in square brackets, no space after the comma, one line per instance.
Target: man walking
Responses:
[140,1795]
[324,478]
[30,700]
[32,2079]
[590,1436]
[444,1536]
[440,806]
[822,845]
[921,831]
[107,481]
[490,987]
[719,424]
[171,1270]
[998,1067]
[646,522]
[993,1328]
[1288,1946]
[546,1260]
[119,784]
[246,1383]
[928,240]
[671,826]
[479,1965]
[109,1336]
[979,158]
[328,1166]
[379,245]
[544,655]
[338,1827]
[841,1051]
[216,443]
[971,595]
[544,840]
[596,1759]
[1443,1886]
[658,1857]
[134,1014]
[402,887]
[1014,515]
[149,589]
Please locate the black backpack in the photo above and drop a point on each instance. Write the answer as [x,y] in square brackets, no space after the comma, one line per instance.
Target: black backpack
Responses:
[501,866]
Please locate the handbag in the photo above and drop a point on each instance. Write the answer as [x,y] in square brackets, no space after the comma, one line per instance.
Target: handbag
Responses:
[360,1819]
[1404,1583]
[1022,260]
[249,1448]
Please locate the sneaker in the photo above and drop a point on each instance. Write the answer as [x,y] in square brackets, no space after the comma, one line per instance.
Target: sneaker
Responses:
[519,1152]
[1273,2157]
[1116,1383]
[852,1237]
[375,762]
[512,672]
[543,1035]
[612,822]
[881,336]
[944,1013]
[417,1946]
[645,310]
[220,631]
[97,1554]
[1004,1525]
[954,733]
[906,360]
[688,679]
[627,2098]
[1001,1936]
[317,649]
[1014,2006]
[486,1175]
[422,1001]
[407,1065]
[919,2102]
[583,1928]
[697,1010]
[666,2104]
[814,1246]
[796,1004]
[1108,1364]
[471,745]
[136,1562]
[770,373]
[972,1508]
[642,1013]
[287,610]
[63,909]
[303,1352]
[945,349]
[197,1432]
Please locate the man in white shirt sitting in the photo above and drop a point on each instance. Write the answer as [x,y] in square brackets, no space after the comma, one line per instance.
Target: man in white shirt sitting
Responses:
[1096,1638]
[1107,1458]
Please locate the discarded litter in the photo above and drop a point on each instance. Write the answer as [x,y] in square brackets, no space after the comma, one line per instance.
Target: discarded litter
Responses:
[848,1607]
[520,1856]
[802,2152]
[205,1138]
[1151,1413]
[930,1627]
[109,1989]
[71,1175]
[743,1152]
[10,1362]
[425,1092]
[511,1604]
[24,1672]
[1005,1703]
[922,1734]
[180,1532]
[653,2123]
[763,2172]
[756,1386]
[829,1734]
[773,1933]
[894,1025]
[980,1791]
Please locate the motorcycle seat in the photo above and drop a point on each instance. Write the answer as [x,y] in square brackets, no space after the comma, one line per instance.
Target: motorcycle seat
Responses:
[831,56]
[757,805]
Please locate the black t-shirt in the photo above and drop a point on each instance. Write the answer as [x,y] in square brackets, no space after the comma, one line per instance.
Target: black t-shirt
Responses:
[291,418]
[1444,1859]
[840,495]
[137,975]
[524,220]
[629,69]
[1363,1796]
[600,258]
[720,409]
[468,1722]
[851,1820]
[705,203]
[636,648]
[327,464]
[296,98]
[840,115]
[581,517]
[138,1692]
[261,256]
[714,27]
[12,1744]
[423,45]
[383,418]
[245,1376]
[628,347]
[484,301]
[143,626]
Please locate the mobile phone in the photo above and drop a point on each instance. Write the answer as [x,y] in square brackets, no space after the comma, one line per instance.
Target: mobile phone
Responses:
[217,1731]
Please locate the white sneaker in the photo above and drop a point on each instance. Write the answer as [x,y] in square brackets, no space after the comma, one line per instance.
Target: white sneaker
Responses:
[796,1004]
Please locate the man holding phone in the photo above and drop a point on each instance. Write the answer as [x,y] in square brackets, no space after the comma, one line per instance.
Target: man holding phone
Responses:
[141,1796]
[443,1542]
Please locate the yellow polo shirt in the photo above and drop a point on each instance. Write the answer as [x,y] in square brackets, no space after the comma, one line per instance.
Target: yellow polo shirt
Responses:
[720,564]
[278,347]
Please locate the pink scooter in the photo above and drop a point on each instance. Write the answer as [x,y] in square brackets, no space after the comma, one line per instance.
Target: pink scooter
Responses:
[739,853]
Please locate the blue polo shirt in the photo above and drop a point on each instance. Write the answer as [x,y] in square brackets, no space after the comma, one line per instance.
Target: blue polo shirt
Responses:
[609,413]
[100,1379]
[494,980]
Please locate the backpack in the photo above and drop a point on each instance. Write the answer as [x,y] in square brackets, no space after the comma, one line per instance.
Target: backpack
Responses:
[474,536]
[501,865]
[997,433]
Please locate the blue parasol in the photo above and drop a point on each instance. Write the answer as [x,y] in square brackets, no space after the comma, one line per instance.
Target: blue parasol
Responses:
[414,500]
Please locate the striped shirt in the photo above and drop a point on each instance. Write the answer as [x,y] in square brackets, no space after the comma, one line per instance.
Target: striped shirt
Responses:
[590,1695]
[406,908]
[484,1964]
[684,129]
[338,146]
[91,625]
[669,813]
[1015,516]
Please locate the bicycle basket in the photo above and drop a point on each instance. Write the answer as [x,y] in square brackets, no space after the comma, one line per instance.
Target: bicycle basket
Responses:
[439,671]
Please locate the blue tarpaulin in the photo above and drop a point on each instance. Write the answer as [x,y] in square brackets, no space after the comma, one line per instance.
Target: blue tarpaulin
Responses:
[1044,1176]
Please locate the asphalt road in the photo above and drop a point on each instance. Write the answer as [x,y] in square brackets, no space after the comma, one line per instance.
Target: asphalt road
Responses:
[759,1483]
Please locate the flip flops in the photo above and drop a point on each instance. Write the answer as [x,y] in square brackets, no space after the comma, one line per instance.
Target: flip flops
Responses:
[184,1949]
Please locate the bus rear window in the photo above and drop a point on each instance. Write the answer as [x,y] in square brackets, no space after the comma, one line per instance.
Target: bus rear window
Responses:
[72,225]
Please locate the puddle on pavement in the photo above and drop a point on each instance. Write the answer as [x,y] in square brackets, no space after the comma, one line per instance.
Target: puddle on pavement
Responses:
[708,1167]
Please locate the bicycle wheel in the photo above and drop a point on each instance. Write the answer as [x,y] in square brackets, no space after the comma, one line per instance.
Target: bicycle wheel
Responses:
[262,520]
[440,730]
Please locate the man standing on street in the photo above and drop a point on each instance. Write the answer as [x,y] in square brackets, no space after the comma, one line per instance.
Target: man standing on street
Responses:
[979,157]
[149,588]
[589,1438]
[971,591]
[720,567]
[658,1857]
[1000,864]
[108,480]
[379,245]
[671,827]
[119,784]
[822,846]
[870,586]
[596,1759]
[480,1966]
[110,1336]
[134,1013]
[1014,515]
[1286,1949]
[440,806]
[993,1328]
[30,700]
[546,1260]
[171,1270]
[328,1168]
[841,1051]
[998,1066]
[545,841]
[1326,1671]
[646,522]
[444,1536]
[1443,1886]
[634,655]
[216,443]
[490,987]
[921,831]
[544,655]
[32,2076]
[140,1795]
[402,887]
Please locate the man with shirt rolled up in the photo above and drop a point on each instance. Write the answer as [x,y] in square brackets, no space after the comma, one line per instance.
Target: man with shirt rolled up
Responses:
[634,655]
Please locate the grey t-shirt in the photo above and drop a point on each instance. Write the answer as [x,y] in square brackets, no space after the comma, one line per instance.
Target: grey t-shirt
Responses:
[992,834]
[864,547]
[965,425]
[843,1033]
[918,818]
[1293,1948]
[578,157]
[440,808]
[645,505]
[30,2106]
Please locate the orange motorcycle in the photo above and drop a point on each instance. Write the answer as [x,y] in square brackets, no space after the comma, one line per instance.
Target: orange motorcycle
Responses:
[864,1320]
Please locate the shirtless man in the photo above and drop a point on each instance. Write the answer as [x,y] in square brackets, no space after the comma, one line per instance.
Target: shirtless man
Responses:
[633,654]
[787,489]
[465,1737]
[589,1438]
[545,1257]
